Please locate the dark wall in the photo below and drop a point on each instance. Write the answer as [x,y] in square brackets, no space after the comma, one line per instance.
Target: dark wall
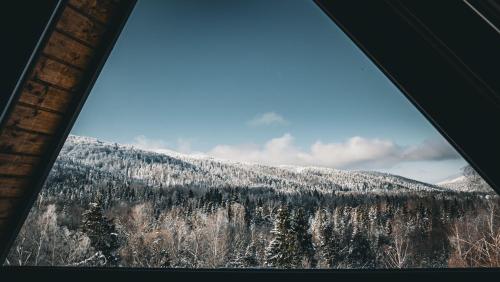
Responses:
[22,24]
[444,58]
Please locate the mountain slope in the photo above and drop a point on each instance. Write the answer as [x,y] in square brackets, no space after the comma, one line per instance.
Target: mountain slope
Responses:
[464,184]
[125,163]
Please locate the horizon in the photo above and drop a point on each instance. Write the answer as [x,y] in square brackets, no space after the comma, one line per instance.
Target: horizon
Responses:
[271,82]
[203,156]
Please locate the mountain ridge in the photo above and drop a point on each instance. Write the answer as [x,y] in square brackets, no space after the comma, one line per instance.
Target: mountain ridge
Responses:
[164,170]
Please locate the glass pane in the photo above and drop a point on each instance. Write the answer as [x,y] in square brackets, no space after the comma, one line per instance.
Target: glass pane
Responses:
[254,134]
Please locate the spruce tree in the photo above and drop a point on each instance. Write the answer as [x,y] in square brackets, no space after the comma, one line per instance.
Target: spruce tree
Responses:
[280,252]
[325,231]
[333,240]
[102,233]
[250,258]
[360,253]
[246,259]
[302,239]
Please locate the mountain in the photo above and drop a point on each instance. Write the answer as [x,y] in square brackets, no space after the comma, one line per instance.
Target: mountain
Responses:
[88,158]
[464,184]
[458,183]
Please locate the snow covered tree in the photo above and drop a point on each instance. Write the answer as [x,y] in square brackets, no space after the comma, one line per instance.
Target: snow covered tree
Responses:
[302,239]
[474,181]
[102,233]
[280,251]
[250,258]
[209,213]
[330,240]
[246,259]
[360,253]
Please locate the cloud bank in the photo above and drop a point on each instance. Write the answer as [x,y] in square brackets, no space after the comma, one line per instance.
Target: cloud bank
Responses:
[353,153]
[160,146]
[267,119]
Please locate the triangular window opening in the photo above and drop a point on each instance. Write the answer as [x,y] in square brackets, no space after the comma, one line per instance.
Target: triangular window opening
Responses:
[254,134]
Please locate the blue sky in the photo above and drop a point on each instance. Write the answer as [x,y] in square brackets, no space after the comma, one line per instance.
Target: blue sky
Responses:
[274,82]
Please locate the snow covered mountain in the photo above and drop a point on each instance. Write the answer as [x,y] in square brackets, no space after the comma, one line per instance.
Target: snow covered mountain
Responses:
[458,183]
[93,158]
[463,184]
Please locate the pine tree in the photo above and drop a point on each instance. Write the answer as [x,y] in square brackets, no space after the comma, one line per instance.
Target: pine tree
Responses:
[102,233]
[302,239]
[361,254]
[324,230]
[250,257]
[246,259]
[280,253]
[334,242]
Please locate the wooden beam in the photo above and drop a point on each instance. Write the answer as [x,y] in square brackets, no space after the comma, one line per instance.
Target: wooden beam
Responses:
[57,73]
[17,141]
[80,27]
[68,50]
[59,78]
[17,165]
[42,95]
[12,187]
[32,119]
[100,10]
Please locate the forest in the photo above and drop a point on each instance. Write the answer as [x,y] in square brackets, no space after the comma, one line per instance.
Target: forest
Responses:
[89,214]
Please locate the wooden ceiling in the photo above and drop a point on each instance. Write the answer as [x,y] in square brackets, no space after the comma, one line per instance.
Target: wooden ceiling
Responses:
[44,107]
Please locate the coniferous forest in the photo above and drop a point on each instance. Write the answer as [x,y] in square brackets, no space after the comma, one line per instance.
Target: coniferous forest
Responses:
[106,204]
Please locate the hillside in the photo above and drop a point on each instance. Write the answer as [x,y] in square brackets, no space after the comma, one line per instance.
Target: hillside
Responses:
[464,184]
[96,158]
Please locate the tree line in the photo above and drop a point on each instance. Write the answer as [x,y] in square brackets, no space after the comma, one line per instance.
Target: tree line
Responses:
[120,224]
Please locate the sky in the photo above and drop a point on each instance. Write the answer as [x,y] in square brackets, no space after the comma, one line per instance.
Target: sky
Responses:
[273,82]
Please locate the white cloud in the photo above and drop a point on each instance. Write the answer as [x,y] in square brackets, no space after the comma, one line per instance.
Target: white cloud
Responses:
[266,119]
[354,153]
[435,150]
[184,145]
[160,146]
[142,142]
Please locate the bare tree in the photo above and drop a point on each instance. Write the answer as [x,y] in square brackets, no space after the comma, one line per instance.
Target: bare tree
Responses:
[476,240]
[397,253]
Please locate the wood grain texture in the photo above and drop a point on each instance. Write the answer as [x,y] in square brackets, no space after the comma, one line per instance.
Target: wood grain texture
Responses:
[28,118]
[12,192]
[46,97]
[66,49]
[101,10]
[57,73]
[80,27]
[17,165]
[13,187]
[16,141]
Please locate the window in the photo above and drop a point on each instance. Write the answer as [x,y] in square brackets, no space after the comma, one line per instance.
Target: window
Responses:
[254,134]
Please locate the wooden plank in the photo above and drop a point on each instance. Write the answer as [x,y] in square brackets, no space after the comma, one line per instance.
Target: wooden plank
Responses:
[17,165]
[57,73]
[101,10]
[7,206]
[44,96]
[12,192]
[80,27]
[15,141]
[68,50]
[13,187]
[32,119]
